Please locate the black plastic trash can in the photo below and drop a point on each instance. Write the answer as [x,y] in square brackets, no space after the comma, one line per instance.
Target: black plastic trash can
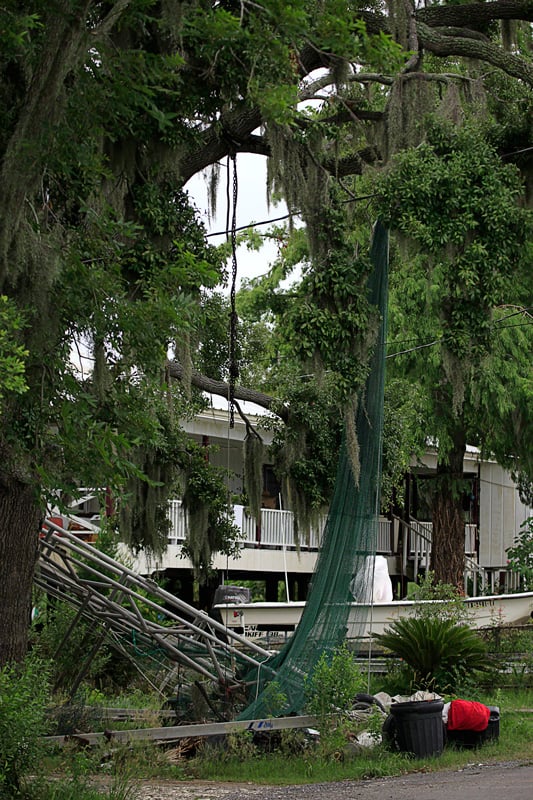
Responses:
[416,727]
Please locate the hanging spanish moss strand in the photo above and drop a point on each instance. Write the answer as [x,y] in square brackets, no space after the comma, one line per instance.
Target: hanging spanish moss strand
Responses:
[253,452]
[233,365]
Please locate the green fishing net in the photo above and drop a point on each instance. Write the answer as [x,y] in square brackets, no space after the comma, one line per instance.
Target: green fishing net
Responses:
[349,539]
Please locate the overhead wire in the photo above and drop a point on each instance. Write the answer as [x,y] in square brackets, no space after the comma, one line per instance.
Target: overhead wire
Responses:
[517,152]
[294,213]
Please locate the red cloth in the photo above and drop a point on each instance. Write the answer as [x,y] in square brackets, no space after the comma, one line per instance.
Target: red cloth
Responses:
[467,715]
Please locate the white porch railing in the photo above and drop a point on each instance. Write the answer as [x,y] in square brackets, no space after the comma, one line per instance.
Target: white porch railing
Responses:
[419,537]
[475,575]
[384,543]
[277,530]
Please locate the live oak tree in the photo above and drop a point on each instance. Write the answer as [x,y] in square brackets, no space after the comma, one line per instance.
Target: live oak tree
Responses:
[107,110]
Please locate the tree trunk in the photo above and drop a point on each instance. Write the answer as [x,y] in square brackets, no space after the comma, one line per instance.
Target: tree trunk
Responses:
[19,519]
[448,545]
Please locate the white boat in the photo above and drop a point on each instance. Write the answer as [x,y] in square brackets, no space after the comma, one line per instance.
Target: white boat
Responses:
[254,619]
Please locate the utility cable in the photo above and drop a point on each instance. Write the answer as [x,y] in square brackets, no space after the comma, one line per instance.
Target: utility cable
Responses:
[294,213]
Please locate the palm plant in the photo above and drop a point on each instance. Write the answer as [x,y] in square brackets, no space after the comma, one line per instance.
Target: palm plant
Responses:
[440,652]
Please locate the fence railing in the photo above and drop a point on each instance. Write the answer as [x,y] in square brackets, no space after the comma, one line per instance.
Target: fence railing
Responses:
[277,532]
[421,533]
[276,529]
[417,536]
[474,575]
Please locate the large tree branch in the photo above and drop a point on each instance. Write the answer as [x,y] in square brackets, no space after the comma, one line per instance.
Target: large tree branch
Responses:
[310,91]
[20,171]
[234,130]
[253,143]
[475,15]
[463,33]
[221,389]
[442,45]
[226,135]
[111,18]
[351,112]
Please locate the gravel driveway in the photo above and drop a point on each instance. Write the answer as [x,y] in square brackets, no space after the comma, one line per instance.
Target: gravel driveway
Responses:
[511,781]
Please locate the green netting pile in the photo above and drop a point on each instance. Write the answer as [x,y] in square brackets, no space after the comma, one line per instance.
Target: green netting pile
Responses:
[350,534]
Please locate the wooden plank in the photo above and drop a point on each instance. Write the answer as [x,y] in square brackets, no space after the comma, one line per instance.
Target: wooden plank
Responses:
[172,733]
[114,714]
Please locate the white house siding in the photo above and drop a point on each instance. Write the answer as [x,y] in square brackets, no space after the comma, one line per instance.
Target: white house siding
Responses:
[501,515]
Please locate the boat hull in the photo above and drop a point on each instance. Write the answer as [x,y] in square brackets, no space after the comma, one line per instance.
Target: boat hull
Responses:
[364,620]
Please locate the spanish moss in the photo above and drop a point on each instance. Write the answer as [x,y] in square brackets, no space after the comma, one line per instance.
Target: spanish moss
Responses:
[253,452]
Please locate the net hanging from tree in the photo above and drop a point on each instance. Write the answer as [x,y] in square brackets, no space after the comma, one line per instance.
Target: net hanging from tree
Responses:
[350,534]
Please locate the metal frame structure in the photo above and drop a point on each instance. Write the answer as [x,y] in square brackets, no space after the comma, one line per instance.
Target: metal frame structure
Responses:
[136,616]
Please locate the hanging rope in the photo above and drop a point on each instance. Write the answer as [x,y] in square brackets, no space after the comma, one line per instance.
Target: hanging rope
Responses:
[233,365]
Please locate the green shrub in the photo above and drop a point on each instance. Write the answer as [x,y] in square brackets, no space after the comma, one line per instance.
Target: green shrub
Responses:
[332,685]
[66,641]
[521,555]
[451,603]
[440,652]
[24,694]
[330,691]
[274,698]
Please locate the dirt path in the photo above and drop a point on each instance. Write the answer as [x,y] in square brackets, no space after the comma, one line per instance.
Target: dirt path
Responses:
[508,781]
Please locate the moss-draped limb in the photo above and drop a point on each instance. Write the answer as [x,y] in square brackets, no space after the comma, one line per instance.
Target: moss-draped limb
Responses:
[443,45]
[221,388]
